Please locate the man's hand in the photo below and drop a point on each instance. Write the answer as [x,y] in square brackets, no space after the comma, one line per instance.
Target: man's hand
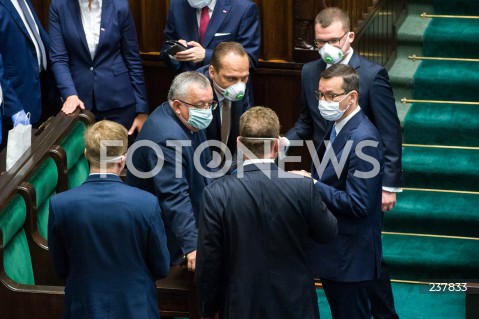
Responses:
[191,260]
[302,173]
[138,123]
[71,104]
[388,201]
[196,53]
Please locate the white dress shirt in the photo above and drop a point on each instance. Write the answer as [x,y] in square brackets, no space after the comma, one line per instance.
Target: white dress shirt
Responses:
[91,20]
[20,12]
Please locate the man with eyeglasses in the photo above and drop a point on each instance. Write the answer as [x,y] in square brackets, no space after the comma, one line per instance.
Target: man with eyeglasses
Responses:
[333,40]
[350,263]
[165,163]
[229,74]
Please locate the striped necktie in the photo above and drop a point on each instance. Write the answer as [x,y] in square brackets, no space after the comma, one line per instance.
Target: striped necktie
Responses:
[33,27]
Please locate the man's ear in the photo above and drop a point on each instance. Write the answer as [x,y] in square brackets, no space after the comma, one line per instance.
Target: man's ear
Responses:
[212,72]
[175,105]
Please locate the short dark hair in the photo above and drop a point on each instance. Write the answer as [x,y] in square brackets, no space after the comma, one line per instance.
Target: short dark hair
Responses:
[329,15]
[223,49]
[349,75]
[258,122]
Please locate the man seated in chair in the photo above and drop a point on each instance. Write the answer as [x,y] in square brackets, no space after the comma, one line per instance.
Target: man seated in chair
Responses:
[106,238]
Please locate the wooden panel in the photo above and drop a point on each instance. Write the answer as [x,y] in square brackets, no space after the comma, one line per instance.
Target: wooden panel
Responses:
[150,19]
[41,8]
[276,32]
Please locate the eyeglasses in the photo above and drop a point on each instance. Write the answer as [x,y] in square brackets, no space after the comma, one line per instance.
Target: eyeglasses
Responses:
[212,105]
[327,96]
[333,41]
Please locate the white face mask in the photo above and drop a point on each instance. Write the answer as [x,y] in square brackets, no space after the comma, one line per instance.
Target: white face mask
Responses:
[234,92]
[332,54]
[330,110]
[198,4]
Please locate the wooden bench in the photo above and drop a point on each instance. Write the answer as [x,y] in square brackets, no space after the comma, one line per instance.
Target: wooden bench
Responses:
[53,164]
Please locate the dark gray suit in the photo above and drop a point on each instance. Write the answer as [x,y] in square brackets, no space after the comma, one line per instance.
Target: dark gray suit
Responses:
[254,236]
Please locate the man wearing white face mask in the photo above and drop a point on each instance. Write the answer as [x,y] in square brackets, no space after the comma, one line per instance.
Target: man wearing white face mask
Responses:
[229,74]
[333,40]
[349,265]
[177,128]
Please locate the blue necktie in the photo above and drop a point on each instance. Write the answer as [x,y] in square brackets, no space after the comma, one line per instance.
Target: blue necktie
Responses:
[33,27]
[333,135]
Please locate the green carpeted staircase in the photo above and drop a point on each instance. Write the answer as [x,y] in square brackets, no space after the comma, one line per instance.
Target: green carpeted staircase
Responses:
[433,232]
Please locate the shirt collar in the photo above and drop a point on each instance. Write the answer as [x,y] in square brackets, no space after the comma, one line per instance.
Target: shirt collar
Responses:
[258,161]
[338,126]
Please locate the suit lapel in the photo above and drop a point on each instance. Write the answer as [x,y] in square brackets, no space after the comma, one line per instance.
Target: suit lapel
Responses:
[345,134]
[190,15]
[106,14]
[221,11]
[16,17]
[355,61]
[75,12]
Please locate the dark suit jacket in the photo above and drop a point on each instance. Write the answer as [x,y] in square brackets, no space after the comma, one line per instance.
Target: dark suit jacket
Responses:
[21,83]
[232,20]
[179,195]
[213,131]
[107,239]
[254,235]
[355,255]
[114,77]
[375,99]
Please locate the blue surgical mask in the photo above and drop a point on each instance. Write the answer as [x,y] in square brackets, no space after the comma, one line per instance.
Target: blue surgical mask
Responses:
[199,118]
[198,4]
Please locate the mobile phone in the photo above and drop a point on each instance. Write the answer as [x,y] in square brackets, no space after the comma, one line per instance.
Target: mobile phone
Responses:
[174,47]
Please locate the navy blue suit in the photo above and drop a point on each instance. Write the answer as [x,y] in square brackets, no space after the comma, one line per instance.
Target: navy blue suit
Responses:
[108,241]
[213,131]
[179,195]
[113,79]
[23,90]
[254,235]
[232,20]
[375,99]
[355,255]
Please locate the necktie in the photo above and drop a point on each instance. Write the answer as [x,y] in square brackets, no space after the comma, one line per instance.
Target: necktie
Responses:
[333,135]
[225,120]
[204,20]
[33,27]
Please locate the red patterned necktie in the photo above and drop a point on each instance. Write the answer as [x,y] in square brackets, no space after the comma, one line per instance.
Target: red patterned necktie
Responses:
[204,20]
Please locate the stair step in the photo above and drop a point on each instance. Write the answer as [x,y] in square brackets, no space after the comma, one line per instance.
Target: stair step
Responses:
[441,168]
[438,213]
[447,81]
[430,259]
[442,124]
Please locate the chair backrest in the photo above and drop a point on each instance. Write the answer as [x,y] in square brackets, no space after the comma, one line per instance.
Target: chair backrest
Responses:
[14,251]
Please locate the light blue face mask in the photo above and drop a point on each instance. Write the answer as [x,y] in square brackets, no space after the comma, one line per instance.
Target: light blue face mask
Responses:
[198,4]
[199,118]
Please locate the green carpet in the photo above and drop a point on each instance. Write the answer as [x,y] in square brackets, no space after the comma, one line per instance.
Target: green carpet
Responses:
[416,245]
[442,124]
[436,213]
[441,168]
[459,7]
[448,81]
[426,258]
[414,301]
[461,43]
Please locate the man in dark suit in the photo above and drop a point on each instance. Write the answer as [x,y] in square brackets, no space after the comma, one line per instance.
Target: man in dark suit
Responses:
[24,52]
[167,162]
[203,24]
[351,189]
[333,39]
[107,239]
[255,231]
[96,60]
[229,74]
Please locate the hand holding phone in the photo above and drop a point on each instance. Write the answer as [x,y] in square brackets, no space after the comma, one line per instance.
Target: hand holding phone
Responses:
[174,47]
